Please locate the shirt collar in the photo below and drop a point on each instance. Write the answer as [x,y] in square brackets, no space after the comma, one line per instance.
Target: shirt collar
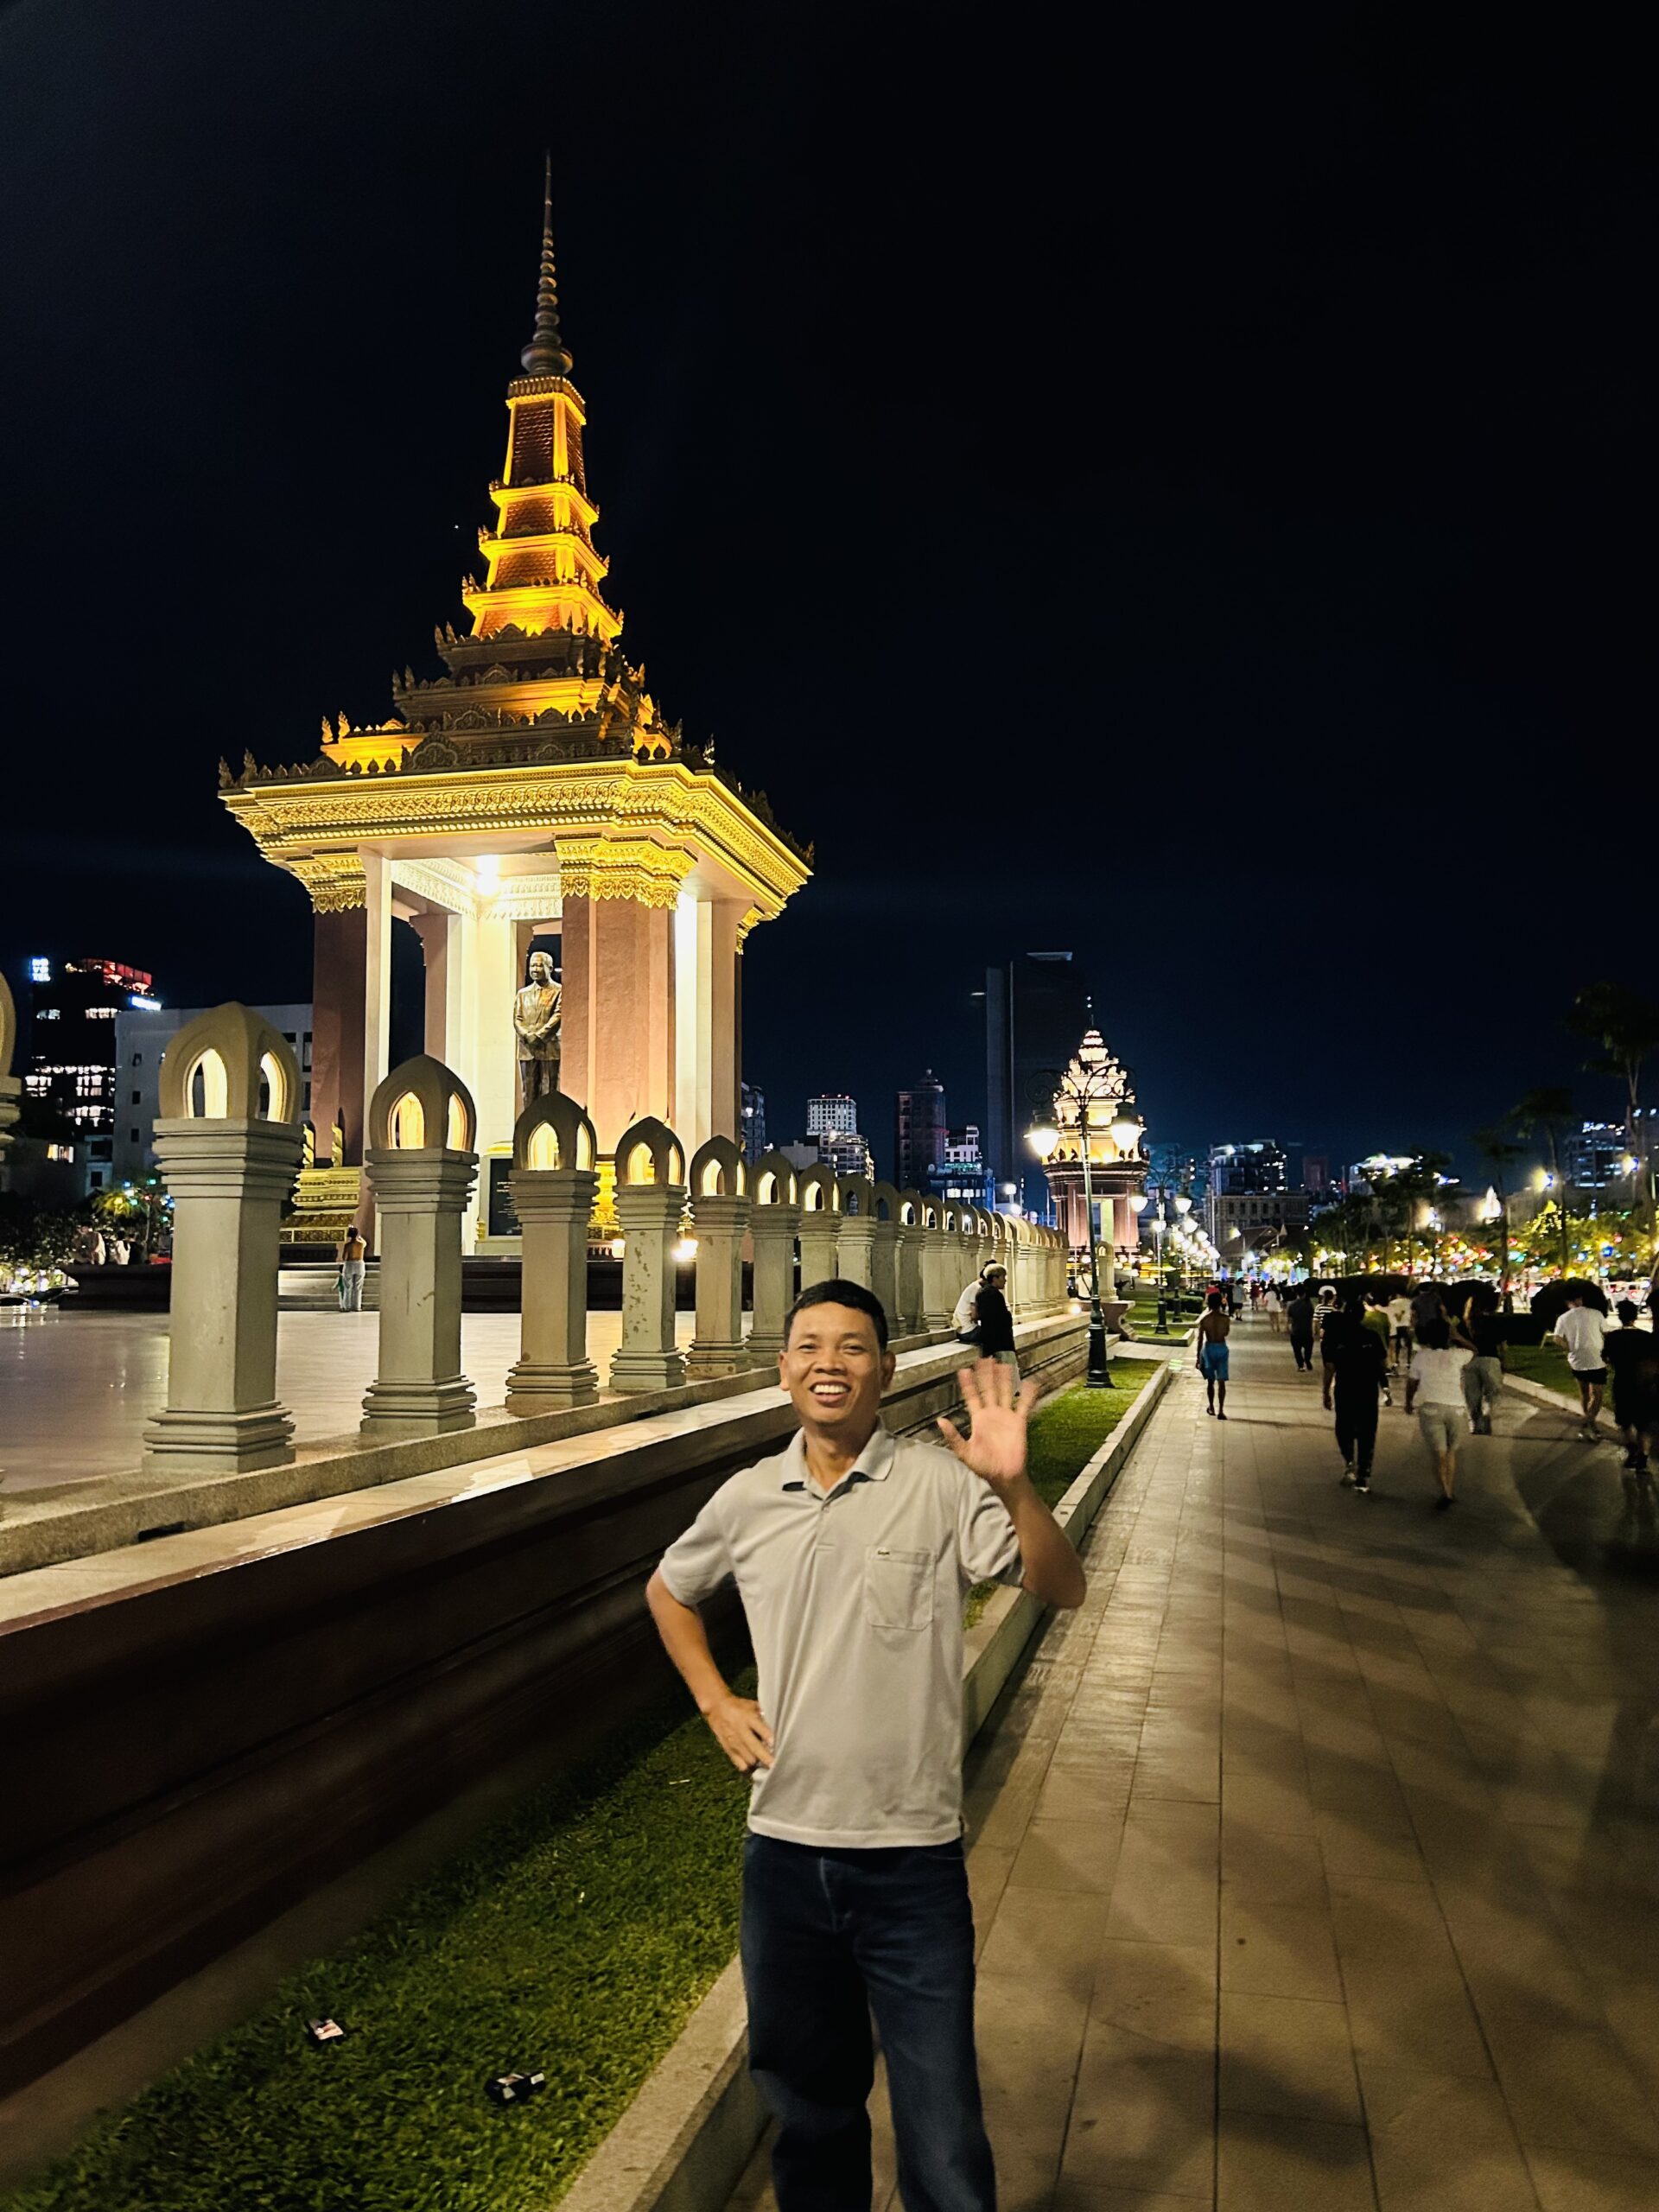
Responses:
[873,1464]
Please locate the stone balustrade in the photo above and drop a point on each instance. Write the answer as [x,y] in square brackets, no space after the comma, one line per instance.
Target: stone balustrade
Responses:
[230,1145]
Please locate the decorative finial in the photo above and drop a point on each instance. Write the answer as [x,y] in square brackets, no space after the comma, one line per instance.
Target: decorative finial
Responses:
[545,355]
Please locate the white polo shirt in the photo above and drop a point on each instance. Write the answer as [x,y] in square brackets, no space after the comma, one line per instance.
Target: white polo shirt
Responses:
[854,1600]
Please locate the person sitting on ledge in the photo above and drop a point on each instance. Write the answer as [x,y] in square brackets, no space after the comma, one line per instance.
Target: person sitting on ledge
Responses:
[852,1551]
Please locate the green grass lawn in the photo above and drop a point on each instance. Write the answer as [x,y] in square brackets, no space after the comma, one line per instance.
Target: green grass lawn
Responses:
[1065,1435]
[1546,1363]
[576,1937]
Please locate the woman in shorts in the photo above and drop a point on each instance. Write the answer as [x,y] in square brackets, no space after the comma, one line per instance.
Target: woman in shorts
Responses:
[1212,1353]
[1434,1389]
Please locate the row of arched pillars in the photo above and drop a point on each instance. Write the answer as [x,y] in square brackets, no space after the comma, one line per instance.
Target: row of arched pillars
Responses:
[229,1141]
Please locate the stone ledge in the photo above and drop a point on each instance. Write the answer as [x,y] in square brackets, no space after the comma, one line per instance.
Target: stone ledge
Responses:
[114,1512]
[686,2137]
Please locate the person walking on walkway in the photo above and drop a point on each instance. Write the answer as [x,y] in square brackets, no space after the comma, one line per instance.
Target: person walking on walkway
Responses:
[1213,1326]
[1632,1358]
[1434,1387]
[1582,1332]
[354,1254]
[1299,1317]
[1330,1318]
[1274,1298]
[852,1552]
[1399,1331]
[1360,1369]
[1483,1378]
[1376,1318]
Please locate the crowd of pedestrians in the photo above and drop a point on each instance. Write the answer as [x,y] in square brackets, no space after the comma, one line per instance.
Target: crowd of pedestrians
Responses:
[1450,1349]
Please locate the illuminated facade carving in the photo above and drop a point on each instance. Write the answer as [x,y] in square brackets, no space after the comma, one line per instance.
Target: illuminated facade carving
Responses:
[534,788]
[1110,1125]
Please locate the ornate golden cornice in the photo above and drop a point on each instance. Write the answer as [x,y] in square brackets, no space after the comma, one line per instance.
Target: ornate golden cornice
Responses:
[633,808]
[336,880]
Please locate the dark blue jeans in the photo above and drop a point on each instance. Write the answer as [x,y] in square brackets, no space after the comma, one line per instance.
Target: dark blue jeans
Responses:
[829,1937]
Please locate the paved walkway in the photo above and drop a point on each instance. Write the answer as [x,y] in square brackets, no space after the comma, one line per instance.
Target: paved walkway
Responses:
[1317,1859]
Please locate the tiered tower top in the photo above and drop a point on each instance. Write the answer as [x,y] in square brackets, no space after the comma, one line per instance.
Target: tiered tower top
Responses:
[537,692]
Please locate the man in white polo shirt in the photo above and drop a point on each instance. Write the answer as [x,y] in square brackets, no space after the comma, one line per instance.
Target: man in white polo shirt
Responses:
[852,1551]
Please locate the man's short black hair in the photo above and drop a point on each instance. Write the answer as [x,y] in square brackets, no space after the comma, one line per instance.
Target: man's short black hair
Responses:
[837,1290]
[1435,1336]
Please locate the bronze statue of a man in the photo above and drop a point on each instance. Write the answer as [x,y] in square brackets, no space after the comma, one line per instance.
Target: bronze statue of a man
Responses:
[536,1018]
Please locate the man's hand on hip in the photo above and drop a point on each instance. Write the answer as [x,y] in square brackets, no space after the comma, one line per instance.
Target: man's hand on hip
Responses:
[740,1730]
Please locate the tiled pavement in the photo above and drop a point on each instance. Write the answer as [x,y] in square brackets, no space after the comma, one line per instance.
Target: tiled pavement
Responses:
[1316,1859]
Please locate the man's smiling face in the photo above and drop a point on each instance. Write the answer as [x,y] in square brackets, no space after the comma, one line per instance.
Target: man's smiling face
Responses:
[834,1371]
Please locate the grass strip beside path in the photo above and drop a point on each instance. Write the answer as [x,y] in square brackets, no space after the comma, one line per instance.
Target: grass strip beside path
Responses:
[1546,1363]
[576,1937]
[1064,1437]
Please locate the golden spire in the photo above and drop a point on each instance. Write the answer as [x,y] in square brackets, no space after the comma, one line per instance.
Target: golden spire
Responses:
[546,354]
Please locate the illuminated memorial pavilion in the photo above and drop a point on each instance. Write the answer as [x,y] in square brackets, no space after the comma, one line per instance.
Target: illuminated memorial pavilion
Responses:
[533,792]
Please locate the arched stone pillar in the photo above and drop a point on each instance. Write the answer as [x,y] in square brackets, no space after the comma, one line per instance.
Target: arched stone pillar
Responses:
[650,1205]
[856,1246]
[820,1224]
[887,1234]
[720,1214]
[938,1266]
[228,1141]
[421,1127]
[772,1223]
[554,1177]
[911,1261]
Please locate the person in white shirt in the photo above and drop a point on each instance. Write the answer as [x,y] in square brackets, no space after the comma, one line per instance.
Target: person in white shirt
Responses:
[1434,1389]
[1399,1312]
[1581,1331]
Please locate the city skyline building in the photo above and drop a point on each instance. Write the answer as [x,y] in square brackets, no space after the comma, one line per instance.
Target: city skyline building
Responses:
[920,1132]
[72,1070]
[965,1174]
[831,1113]
[752,1113]
[1037,1006]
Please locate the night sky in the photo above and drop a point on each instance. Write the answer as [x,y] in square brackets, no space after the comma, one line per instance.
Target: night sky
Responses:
[1173,496]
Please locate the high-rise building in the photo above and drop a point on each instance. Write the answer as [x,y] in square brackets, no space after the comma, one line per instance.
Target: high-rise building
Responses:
[1241,1169]
[965,1174]
[1036,1007]
[752,1134]
[920,1132]
[71,1069]
[1593,1155]
[832,1113]
[846,1152]
[142,1035]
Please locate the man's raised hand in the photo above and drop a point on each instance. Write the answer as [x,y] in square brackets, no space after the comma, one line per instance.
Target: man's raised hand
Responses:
[996,1449]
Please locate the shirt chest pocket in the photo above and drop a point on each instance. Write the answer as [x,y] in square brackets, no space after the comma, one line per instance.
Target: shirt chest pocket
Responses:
[898,1588]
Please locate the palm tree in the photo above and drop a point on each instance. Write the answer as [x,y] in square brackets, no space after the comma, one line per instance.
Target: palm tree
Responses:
[1626,1026]
[1415,1185]
[1545,1111]
[1500,1149]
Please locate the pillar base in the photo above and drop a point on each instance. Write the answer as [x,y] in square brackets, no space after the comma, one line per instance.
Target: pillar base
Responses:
[647,1370]
[532,1389]
[394,1410]
[180,1442]
[704,1362]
